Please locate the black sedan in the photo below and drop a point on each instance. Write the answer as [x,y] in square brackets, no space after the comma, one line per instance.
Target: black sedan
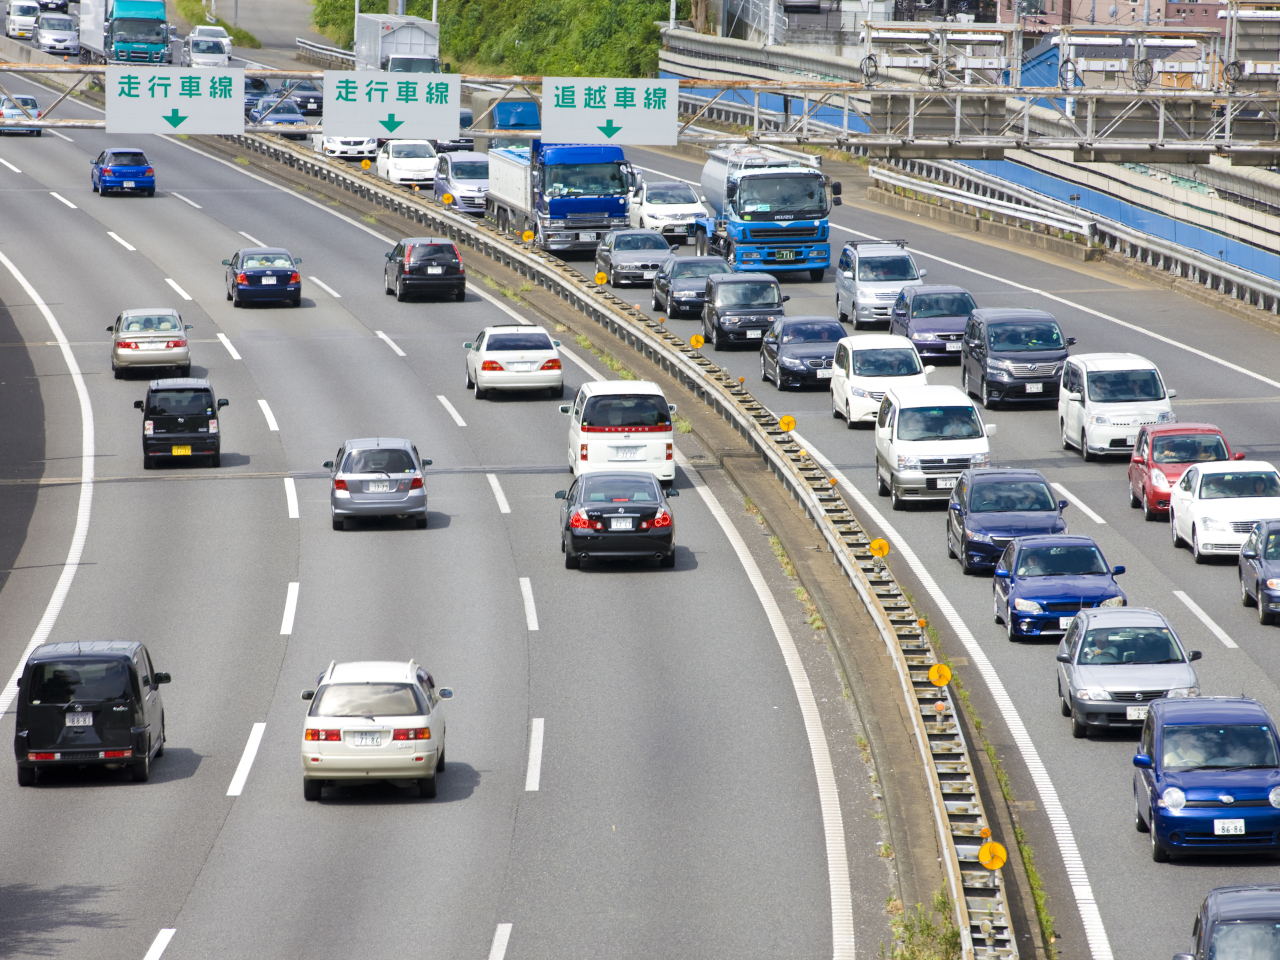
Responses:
[307,94]
[263,273]
[631,256]
[1260,570]
[425,265]
[799,351]
[622,515]
[681,284]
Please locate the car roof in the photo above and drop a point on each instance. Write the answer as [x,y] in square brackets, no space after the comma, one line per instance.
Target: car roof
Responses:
[628,475]
[262,250]
[1112,361]
[707,259]
[1129,616]
[175,383]
[740,277]
[1212,710]
[373,443]
[84,648]
[666,183]
[408,140]
[643,231]
[1011,313]
[1258,901]
[872,341]
[465,155]
[810,318]
[877,248]
[148,311]
[1155,429]
[125,150]
[1002,473]
[427,240]
[364,671]
[512,328]
[933,288]
[1056,539]
[1231,466]
[597,387]
[929,393]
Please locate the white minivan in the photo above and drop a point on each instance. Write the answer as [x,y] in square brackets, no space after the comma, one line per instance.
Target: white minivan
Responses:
[621,425]
[20,18]
[926,436]
[1105,398]
[865,367]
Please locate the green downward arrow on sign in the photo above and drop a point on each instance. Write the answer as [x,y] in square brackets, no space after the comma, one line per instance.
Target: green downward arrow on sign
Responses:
[173,119]
[391,122]
[609,129]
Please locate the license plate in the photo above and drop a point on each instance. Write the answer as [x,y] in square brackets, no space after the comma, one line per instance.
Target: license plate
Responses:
[1064,622]
[152,346]
[181,451]
[620,523]
[754,334]
[435,269]
[268,281]
[130,183]
[1226,828]
[1131,440]
[1035,388]
[1136,713]
[824,374]
[522,367]
[79,719]
[953,346]
[784,255]
[650,274]
[364,738]
[946,483]
[586,236]
[377,486]
[627,453]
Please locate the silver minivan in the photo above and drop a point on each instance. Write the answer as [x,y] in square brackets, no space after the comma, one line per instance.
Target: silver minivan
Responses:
[869,277]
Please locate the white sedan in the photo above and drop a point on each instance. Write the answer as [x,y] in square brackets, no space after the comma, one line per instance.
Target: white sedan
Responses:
[514,358]
[668,207]
[408,161]
[1215,505]
[357,147]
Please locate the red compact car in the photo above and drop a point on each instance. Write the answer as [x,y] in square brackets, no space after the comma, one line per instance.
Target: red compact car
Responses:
[1162,453]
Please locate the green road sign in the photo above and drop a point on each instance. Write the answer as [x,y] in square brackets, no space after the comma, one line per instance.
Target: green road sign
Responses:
[160,99]
[609,110]
[411,106]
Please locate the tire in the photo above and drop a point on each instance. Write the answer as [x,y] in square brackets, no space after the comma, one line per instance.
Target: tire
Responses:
[612,282]
[184,370]
[119,373]
[141,771]
[987,403]
[951,548]
[764,377]
[421,523]
[216,460]
[895,501]
[995,607]
[470,383]
[160,752]
[1265,616]
[228,294]
[964,381]
[1066,444]
[93,186]
[1008,628]
[1138,823]
[1134,501]
[1063,707]
[853,316]
[236,302]
[570,561]
[840,314]
[479,394]
[440,762]
[1147,512]
[386,284]
[338,523]
[1195,547]
[1079,729]
[1084,448]
[427,788]
[816,275]
[26,776]
[401,296]
[848,420]
[882,488]
[150,193]
[966,568]
[717,342]
[653,301]
[461,295]
[1245,599]
[668,562]
[147,463]
[669,309]
[296,302]
[311,789]
[1158,853]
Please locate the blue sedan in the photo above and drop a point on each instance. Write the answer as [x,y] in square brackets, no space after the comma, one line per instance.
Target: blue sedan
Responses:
[263,273]
[124,169]
[990,507]
[1041,583]
[1259,564]
[12,108]
[274,111]
[1207,778]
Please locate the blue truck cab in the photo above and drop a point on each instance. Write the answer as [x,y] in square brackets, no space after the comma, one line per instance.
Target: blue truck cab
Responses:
[137,31]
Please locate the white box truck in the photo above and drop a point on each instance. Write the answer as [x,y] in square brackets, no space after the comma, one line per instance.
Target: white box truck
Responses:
[397,44]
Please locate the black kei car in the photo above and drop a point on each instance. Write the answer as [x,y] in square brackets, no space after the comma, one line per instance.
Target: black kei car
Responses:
[799,351]
[740,307]
[681,283]
[180,419]
[425,265]
[1012,353]
[1239,921]
[89,703]
[622,515]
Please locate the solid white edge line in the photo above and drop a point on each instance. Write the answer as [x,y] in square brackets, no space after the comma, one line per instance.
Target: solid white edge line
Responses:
[185,200]
[533,778]
[271,417]
[390,343]
[570,355]
[9,165]
[530,611]
[290,610]
[503,506]
[62,135]
[58,196]
[1207,620]
[246,760]
[325,287]
[158,945]
[254,240]
[500,938]
[235,355]
[291,497]
[1078,502]
[85,507]
[842,933]
[503,307]
[122,241]
[457,417]
[1090,917]
[173,283]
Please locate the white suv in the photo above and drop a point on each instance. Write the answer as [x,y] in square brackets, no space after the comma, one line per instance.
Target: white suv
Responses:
[869,277]
[374,720]
[1105,398]
[925,438]
[621,425]
[865,367]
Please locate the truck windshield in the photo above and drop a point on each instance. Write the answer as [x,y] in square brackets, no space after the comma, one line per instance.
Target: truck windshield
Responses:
[516,116]
[138,31]
[585,180]
[412,65]
[765,197]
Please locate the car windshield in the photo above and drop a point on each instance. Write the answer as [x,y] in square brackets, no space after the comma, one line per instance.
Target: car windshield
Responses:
[412,151]
[891,362]
[470,169]
[1189,448]
[1011,496]
[66,681]
[519,341]
[812,332]
[1210,746]
[1124,386]
[1130,645]
[698,270]
[939,423]
[1018,337]
[640,241]
[180,403]
[305,86]
[138,31]
[280,107]
[257,85]
[127,159]
[208,46]
[786,194]
[942,305]
[160,323]
[638,489]
[379,460]
[521,114]
[1244,940]
[56,23]
[749,294]
[665,193]
[25,10]
[368,700]
[422,251]
[886,269]
[266,261]
[203,31]
[413,65]
[1066,561]
[584,179]
[645,410]
[1231,486]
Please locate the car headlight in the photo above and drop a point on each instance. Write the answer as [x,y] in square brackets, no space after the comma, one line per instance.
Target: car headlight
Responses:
[1167,417]
[1093,693]
[981,459]
[791,364]
[1173,798]
[1273,584]
[1112,602]
[1100,420]
[1212,523]
[657,219]
[1159,480]
[859,392]
[1274,796]
[924,336]
[977,537]
[866,294]
[1183,692]
[908,463]
[1027,606]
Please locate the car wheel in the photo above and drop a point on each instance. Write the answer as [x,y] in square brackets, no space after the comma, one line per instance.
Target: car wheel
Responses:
[964,381]
[479,394]
[1173,531]
[1088,455]
[119,372]
[848,420]
[470,383]
[1063,705]
[296,302]
[1265,616]
[440,762]
[995,607]
[1245,599]
[216,460]
[895,501]
[160,752]
[965,566]
[668,561]
[1147,512]
[1134,500]
[151,192]
[882,488]
[840,314]
[236,302]
[26,776]
[401,296]
[653,301]
[570,561]
[1008,627]
[228,293]
[1158,853]
[460,295]
[1079,729]
[386,284]
[184,370]
[764,376]
[141,771]
[816,275]
[421,522]
[311,789]
[427,788]
[717,341]
[612,282]
[670,309]
[988,403]
[1138,823]
[1195,547]
[853,315]
[147,462]
[338,523]
[951,547]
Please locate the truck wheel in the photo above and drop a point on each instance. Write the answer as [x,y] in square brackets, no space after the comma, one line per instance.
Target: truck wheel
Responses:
[700,244]
[817,275]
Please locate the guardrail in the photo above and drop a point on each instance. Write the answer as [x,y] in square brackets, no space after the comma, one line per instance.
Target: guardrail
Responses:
[962,825]
[318,53]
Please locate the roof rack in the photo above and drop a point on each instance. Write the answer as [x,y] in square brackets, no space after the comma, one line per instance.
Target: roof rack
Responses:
[874,243]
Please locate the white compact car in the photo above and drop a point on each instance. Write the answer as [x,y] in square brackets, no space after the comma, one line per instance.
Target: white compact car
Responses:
[408,161]
[361,148]
[621,425]
[668,207]
[868,365]
[1215,505]
[1104,398]
[925,437]
[205,52]
[374,720]
[513,357]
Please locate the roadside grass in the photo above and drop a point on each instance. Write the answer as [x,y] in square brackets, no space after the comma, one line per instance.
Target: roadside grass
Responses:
[192,11]
[923,936]
[610,361]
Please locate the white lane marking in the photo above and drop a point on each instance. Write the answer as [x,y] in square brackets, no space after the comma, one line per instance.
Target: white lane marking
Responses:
[290,609]
[570,355]
[61,198]
[504,308]
[185,200]
[390,343]
[1078,502]
[159,944]
[230,349]
[62,135]
[503,506]
[1091,918]
[122,241]
[173,283]
[533,779]
[500,937]
[271,417]
[457,417]
[9,165]
[246,760]
[291,497]
[1207,620]
[325,287]
[665,174]
[526,591]
[83,510]
[254,240]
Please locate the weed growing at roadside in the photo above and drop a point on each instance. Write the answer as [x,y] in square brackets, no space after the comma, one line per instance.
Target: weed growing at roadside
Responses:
[921,936]
[369,218]
[612,362]
[683,424]
[243,161]
[784,561]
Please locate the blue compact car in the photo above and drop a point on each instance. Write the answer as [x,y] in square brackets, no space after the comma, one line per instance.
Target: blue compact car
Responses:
[991,507]
[263,273]
[1207,778]
[1041,583]
[123,169]
[1237,922]
[1259,565]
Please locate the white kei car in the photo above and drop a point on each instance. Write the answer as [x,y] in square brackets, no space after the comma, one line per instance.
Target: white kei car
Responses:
[1215,505]
[621,425]
[408,161]
[668,207]
[374,720]
[865,367]
[1105,398]
[513,357]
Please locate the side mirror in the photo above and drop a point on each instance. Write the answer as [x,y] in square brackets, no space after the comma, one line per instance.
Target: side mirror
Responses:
[1248,553]
[836,189]
[730,190]
[111,329]
[955,506]
[445,693]
[1116,571]
[1064,658]
[188,327]
[1237,456]
[560,494]
[702,198]
[162,678]
[328,464]
[426,461]
[468,345]
[1071,341]
[673,492]
[847,274]
[836,202]
[1194,654]
[223,403]
[1142,760]
[1136,458]
[226,263]
[785,299]
[1063,504]
[671,407]
[1002,573]
[1183,956]
[137,404]
[924,273]
[565,408]
[930,369]
[991,429]
[675,247]
[308,694]
[297,260]
[1172,393]
[1071,396]
[555,343]
[389,254]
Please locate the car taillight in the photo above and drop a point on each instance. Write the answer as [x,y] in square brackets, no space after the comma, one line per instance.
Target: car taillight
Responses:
[582,453]
[579,520]
[148,427]
[339,484]
[295,277]
[242,279]
[491,365]
[313,734]
[416,484]
[662,519]
[175,343]
[42,756]
[408,253]
[127,345]
[412,733]
[213,426]
[116,754]
[149,172]
[108,172]
[551,365]
[670,455]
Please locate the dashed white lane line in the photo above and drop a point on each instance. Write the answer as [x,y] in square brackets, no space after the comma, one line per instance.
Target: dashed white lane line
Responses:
[252,239]
[271,417]
[9,165]
[290,609]
[325,287]
[533,779]
[121,240]
[530,611]
[1078,502]
[390,343]
[1207,620]
[500,938]
[564,351]
[503,506]
[246,761]
[185,200]
[173,283]
[159,944]
[62,135]
[59,197]
[291,497]
[235,355]
[457,417]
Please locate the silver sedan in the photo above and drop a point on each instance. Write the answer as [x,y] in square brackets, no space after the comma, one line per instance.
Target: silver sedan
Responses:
[377,477]
[150,338]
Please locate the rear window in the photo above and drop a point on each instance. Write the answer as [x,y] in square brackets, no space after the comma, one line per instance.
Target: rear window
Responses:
[428,251]
[518,341]
[1011,496]
[266,261]
[369,700]
[131,159]
[389,460]
[66,681]
[180,403]
[162,323]
[639,489]
[620,411]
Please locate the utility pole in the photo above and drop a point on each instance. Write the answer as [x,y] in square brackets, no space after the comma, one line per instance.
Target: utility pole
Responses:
[672,24]
[435,4]
[773,15]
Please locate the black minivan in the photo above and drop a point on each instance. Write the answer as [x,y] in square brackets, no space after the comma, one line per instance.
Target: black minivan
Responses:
[180,419]
[1012,353]
[740,307]
[89,703]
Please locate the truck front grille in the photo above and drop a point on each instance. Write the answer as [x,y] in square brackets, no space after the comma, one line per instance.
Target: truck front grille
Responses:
[765,234]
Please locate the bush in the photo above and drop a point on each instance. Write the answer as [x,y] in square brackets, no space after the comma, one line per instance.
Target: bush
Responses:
[192,11]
